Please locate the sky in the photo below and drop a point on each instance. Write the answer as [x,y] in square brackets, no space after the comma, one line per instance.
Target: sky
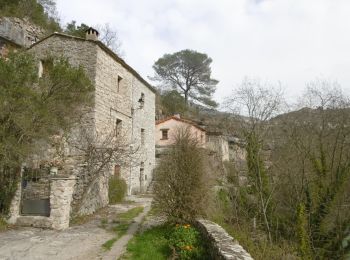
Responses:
[291,42]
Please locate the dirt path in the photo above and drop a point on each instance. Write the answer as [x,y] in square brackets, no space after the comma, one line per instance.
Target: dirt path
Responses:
[77,242]
[119,247]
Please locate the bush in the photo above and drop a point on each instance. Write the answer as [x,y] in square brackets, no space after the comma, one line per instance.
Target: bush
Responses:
[116,190]
[9,178]
[185,242]
[181,187]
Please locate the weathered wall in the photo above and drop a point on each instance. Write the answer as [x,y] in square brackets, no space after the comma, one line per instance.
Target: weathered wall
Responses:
[222,245]
[143,118]
[218,144]
[238,156]
[117,94]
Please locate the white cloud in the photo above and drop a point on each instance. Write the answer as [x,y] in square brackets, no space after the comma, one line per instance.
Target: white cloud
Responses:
[292,41]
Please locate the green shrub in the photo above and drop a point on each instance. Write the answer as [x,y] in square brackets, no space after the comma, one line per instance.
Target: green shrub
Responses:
[117,190]
[181,186]
[3,224]
[185,242]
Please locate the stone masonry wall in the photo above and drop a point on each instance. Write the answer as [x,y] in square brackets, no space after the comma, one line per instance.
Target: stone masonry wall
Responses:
[114,102]
[222,245]
[117,95]
[143,118]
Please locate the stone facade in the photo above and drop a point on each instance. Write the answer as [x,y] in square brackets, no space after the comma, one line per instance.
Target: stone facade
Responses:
[122,99]
[222,245]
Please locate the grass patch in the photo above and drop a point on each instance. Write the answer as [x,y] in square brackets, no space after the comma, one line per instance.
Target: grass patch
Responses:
[3,225]
[108,245]
[83,219]
[151,244]
[154,211]
[130,214]
[156,243]
[258,246]
[120,225]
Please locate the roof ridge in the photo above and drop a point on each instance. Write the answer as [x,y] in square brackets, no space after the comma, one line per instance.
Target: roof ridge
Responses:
[107,50]
[181,120]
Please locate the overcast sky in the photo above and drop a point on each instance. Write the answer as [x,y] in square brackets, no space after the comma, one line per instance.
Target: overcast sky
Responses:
[291,41]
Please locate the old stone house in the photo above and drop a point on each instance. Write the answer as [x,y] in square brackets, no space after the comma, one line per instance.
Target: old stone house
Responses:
[124,106]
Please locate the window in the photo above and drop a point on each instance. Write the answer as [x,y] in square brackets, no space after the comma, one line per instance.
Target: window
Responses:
[142,171]
[142,100]
[119,83]
[117,170]
[164,134]
[118,127]
[142,136]
[44,66]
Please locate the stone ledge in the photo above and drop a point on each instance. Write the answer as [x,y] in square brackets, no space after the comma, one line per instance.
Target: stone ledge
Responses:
[222,245]
[34,221]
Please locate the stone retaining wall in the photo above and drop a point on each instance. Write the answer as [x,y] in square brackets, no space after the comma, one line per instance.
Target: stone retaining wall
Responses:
[222,245]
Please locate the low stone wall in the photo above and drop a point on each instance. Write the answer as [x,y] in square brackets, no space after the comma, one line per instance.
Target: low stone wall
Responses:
[222,245]
[60,203]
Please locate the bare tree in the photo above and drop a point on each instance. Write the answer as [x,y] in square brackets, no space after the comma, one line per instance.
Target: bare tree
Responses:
[313,165]
[255,103]
[99,151]
[109,36]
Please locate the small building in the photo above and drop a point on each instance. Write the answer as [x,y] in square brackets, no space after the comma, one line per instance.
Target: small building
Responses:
[167,128]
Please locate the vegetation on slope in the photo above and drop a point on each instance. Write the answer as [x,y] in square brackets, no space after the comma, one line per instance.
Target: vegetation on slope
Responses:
[41,13]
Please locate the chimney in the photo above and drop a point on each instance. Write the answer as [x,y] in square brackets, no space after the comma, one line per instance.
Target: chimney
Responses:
[91,34]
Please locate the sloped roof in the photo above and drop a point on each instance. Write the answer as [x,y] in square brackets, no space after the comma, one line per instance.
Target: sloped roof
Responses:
[180,120]
[107,50]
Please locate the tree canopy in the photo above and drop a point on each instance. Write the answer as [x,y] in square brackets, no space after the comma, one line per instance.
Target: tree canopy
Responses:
[189,73]
[76,30]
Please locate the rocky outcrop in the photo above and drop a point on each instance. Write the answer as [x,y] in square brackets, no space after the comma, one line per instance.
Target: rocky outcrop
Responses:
[222,245]
[20,31]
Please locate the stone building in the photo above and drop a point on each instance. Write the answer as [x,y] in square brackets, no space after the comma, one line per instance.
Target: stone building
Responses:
[124,105]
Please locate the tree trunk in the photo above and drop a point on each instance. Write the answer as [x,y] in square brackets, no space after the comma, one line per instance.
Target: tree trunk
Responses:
[186,98]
